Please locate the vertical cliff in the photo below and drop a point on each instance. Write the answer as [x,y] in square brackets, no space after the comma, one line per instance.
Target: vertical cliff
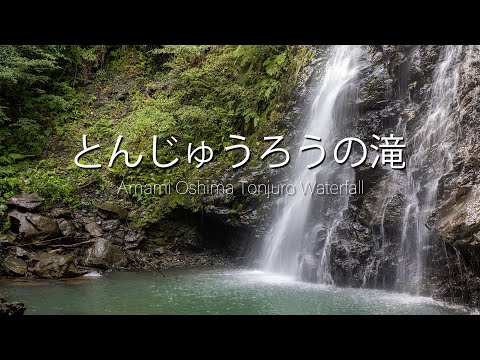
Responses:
[416,229]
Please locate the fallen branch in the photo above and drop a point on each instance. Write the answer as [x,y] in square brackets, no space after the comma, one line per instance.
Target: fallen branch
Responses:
[49,242]
[74,245]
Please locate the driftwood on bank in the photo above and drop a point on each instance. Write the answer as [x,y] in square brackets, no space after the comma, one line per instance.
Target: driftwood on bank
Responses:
[73,245]
[47,243]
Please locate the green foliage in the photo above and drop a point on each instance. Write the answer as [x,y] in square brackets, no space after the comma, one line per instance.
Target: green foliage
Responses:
[51,95]
[34,91]
[53,186]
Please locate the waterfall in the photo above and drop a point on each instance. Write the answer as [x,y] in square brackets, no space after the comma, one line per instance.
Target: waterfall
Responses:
[304,223]
[430,158]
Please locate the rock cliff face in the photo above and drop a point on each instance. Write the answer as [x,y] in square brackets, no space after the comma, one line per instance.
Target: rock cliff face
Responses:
[366,244]
[456,219]
[370,246]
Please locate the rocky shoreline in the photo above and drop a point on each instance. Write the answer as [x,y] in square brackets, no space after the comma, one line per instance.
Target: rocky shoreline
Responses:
[11,308]
[65,243]
[61,243]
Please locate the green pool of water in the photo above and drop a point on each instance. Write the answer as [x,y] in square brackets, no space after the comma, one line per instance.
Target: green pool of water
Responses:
[208,291]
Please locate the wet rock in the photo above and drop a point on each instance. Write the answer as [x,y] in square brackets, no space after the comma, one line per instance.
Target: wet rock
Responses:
[32,227]
[51,265]
[26,231]
[368,176]
[66,227]
[458,218]
[7,238]
[159,251]
[20,252]
[110,225]
[118,238]
[133,239]
[375,89]
[109,209]
[15,266]
[93,229]
[61,213]
[46,225]
[25,201]
[308,265]
[104,254]
[118,241]
[11,309]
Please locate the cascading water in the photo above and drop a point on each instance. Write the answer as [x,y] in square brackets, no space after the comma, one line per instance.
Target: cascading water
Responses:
[430,159]
[305,222]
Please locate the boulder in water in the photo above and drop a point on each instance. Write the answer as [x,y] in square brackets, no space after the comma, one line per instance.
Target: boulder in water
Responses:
[104,254]
[51,265]
[11,309]
[14,266]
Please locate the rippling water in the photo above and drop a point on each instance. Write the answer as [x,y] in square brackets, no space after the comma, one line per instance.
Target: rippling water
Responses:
[208,291]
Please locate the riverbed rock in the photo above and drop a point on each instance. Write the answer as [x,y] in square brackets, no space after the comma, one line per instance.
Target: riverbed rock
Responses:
[93,229]
[32,227]
[111,210]
[14,266]
[26,201]
[51,265]
[104,254]
[11,308]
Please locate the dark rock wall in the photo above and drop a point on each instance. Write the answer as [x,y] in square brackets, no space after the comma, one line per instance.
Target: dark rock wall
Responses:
[393,98]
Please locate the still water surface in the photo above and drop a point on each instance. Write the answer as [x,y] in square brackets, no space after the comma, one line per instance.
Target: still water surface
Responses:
[208,291]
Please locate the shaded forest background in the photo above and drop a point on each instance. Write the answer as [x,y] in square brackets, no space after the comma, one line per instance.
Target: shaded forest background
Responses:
[51,95]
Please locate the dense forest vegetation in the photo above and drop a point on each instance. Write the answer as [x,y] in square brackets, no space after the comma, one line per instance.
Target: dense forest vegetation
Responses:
[51,95]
